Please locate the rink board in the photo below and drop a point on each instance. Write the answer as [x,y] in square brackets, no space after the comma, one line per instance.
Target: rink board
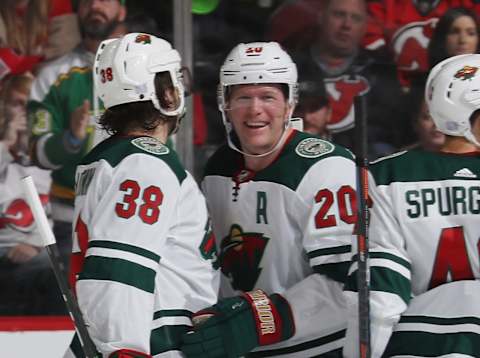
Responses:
[26,337]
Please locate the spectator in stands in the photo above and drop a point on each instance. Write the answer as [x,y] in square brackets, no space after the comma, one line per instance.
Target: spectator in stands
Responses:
[314,108]
[401,30]
[348,71]
[33,30]
[26,278]
[60,110]
[427,136]
[293,23]
[457,33]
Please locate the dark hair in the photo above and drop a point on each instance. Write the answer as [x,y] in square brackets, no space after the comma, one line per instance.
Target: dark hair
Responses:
[416,97]
[312,96]
[126,117]
[437,51]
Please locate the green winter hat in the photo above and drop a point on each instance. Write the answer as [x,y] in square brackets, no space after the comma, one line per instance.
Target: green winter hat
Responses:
[204,7]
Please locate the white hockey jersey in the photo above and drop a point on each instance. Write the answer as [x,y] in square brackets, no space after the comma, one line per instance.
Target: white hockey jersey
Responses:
[277,227]
[142,247]
[16,219]
[424,233]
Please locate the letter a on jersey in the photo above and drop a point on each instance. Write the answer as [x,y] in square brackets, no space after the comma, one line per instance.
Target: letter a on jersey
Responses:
[240,255]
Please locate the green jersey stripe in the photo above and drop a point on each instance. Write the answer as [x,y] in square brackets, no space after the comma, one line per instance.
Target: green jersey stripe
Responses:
[336,271]
[440,320]
[172,313]
[118,270]
[125,247]
[425,344]
[329,251]
[167,338]
[383,280]
[303,346]
[387,256]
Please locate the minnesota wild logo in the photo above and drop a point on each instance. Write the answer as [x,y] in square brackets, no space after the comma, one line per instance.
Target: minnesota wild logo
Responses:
[208,249]
[240,255]
[143,39]
[466,72]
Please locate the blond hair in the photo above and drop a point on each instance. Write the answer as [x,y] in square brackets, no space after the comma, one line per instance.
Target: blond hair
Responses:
[25,35]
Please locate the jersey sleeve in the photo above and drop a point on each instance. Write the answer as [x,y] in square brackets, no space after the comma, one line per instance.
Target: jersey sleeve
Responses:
[49,119]
[329,188]
[389,274]
[141,247]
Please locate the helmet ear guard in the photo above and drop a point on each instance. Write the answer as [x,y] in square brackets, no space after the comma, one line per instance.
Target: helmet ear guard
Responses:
[132,68]
[452,94]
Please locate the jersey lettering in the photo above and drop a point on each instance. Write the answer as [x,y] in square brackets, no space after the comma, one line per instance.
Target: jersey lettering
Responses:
[252,50]
[149,210]
[451,258]
[446,201]
[106,75]
[262,207]
[346,201]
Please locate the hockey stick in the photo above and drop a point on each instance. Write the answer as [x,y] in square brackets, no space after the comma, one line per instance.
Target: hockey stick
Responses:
[363,276]
[49,242]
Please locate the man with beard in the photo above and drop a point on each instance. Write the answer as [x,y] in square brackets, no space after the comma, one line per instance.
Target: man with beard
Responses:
[60,110]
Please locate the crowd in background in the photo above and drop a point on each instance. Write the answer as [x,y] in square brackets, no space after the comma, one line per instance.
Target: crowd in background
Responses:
[382,50]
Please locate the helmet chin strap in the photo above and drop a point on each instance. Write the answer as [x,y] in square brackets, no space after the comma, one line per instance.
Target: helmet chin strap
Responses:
[231,144]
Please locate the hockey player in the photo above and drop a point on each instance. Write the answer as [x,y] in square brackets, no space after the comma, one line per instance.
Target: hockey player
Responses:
[424,231]
[142,243]
[282,204]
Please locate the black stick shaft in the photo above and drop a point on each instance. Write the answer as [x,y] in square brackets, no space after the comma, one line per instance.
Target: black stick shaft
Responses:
[363,279]
[72,305]
[50,245]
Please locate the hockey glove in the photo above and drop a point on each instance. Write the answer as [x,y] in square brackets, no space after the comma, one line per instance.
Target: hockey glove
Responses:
[236,325]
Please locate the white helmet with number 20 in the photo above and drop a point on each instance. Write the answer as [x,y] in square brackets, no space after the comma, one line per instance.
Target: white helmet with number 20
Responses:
[125,69]
[452,94]
[256,63]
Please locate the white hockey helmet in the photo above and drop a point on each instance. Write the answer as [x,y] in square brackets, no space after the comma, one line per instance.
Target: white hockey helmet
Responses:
[125,69]
[257,62]
[452,94]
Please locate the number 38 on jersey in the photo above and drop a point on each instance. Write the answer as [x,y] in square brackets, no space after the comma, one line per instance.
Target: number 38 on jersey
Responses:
[142,202]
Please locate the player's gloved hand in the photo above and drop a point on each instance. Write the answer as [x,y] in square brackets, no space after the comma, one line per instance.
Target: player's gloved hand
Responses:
[234,326]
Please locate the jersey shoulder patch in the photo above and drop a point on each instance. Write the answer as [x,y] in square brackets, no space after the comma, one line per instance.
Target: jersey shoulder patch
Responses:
[313,147]
[150,145]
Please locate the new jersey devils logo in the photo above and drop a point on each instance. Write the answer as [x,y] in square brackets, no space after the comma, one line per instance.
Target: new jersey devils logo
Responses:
[341,93]
[240,255]
[18,215]
[410,45]
[466,72]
